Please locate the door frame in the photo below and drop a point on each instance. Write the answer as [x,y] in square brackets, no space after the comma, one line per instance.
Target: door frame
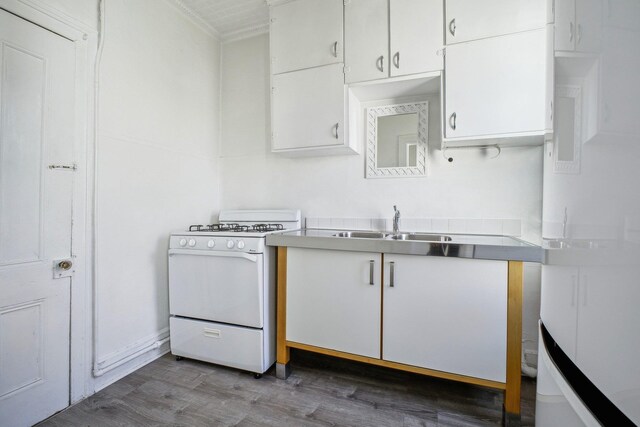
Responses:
[85,40]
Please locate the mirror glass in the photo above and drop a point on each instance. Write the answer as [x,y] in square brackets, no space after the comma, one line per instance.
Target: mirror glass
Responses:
[397,140]
[567,135]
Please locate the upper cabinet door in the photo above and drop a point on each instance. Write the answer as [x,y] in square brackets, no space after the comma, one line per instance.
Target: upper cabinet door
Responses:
[565,25]
[307,109]
[366,39]
[305,34]
[499,86]
[472,19]
[588,25]
[415,36]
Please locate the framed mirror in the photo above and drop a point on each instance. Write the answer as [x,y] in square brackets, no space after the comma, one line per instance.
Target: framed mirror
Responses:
[397,140]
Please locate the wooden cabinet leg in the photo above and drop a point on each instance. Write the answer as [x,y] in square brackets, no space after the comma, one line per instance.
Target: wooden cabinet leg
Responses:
[283,354]
[514,343]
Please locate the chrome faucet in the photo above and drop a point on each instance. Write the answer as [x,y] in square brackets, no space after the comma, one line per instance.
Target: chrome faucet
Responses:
[396,219]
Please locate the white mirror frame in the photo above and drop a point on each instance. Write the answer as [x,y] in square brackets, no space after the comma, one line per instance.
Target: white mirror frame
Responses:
[372,171]
[569,166]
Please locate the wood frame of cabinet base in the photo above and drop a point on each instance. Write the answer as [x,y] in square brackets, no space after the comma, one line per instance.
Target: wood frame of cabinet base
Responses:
[514,341]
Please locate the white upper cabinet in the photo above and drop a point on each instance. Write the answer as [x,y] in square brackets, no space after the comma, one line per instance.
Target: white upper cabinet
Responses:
[366,39]
[308,111]
[473,19]
[415,36]
[388,38]
[499,87]
[577,25]
[305,34]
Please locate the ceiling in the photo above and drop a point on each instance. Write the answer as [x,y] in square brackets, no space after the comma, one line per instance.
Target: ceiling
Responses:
[231,19]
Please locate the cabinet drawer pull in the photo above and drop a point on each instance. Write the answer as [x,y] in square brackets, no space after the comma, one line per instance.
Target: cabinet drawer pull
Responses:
[335,131]
[396,59]
[452,27]
[335,49]
[380,63]
[371,268]
[452,121]
[392,274]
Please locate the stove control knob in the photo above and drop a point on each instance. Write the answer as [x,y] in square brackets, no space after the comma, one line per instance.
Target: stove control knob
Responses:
[192,242]
[211,243]
[183,242]
[240,244]
[230,244]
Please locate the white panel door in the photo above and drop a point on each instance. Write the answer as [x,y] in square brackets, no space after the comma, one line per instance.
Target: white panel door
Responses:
[415,36]
[333,300]
[472,19]
[306,33]
[366,40]
[446,314]
[308,108]
[498,86]
[559,305]
[36,130]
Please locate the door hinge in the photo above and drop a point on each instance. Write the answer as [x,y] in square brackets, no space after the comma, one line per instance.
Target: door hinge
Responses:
[71,167]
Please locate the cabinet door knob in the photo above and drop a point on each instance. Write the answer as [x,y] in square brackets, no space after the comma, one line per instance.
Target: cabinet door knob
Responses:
[396,59]
[335,131]
[452,121]
[392,274]
[371,268]
[380,63]
[335,49]
[579,34]
[452,27]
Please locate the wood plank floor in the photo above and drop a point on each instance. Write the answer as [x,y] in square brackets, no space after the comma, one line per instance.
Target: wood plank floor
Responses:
[321,391]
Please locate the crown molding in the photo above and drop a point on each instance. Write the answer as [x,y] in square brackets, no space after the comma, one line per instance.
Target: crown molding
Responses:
[195,18]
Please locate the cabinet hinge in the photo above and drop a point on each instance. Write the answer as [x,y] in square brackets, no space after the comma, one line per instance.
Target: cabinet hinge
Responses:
[346,69]
[273,90]
[346,2]
[441,52]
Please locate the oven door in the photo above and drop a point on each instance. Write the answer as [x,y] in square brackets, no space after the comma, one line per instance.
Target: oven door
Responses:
[226,287]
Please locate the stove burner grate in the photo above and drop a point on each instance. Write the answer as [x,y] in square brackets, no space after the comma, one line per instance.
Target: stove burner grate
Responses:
[236,228]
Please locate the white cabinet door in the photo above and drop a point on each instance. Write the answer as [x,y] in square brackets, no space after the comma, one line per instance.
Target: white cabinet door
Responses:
[415,36]
[305,33]
[559,305]
[565,25]
[446,314]
[308,109]
[366,40]
[500,86]
[333,300]
[472,19]
[588,25]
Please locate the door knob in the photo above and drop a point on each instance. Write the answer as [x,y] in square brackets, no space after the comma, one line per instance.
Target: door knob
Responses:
[65,265]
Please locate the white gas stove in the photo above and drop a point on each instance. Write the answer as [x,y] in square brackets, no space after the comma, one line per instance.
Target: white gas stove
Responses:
[222,289]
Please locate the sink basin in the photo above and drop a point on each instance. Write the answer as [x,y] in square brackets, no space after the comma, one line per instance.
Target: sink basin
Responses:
[361,234]
[422,237]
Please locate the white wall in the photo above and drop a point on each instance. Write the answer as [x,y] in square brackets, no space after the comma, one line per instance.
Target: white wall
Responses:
[472,187]
[157,162]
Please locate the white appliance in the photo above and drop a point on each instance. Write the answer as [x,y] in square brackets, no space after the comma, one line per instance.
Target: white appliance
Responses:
[222,289]
[589,349]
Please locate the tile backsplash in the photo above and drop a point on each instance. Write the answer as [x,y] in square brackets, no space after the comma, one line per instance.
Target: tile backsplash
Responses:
[508,227]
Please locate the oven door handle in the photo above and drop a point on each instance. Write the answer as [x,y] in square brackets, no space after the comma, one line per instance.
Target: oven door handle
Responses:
[252,258]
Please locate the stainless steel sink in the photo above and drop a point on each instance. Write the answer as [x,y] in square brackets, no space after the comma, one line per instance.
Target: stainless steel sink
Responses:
[422,237]
[361,234]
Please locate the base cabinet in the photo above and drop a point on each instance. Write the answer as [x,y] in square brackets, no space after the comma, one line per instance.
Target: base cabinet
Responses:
[447,314]
[443,314]
[333,300]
